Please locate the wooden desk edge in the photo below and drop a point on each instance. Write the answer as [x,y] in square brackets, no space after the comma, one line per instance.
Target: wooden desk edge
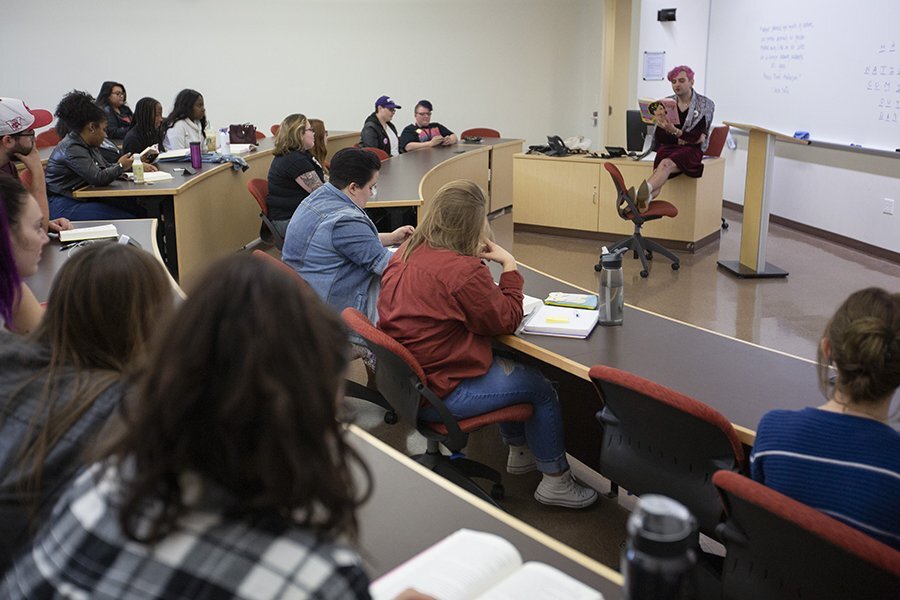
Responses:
[451,160]
[541,537]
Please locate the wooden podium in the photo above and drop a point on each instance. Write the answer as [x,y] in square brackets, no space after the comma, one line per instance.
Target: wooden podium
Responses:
[760,159]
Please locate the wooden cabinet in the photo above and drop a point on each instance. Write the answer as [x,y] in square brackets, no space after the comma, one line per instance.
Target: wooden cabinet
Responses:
[577,193]
[556,193]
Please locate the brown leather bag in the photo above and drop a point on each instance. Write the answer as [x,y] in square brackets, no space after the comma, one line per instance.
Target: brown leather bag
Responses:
[245,133]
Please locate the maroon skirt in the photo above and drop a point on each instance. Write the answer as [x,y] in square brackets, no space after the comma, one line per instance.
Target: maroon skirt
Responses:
[688,159]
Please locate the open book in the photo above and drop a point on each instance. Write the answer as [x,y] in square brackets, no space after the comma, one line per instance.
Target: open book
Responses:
[476,565]
[561,321]
[649,107]
[174,155]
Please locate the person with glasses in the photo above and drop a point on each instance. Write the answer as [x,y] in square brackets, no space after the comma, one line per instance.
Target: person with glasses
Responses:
[378,131]
[294,172]
[17,125]
[424,133]
[112,98]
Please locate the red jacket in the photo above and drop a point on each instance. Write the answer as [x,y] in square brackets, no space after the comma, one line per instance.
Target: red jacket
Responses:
[445,308]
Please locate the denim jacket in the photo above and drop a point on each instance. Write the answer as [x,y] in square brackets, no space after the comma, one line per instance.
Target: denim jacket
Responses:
[334,246]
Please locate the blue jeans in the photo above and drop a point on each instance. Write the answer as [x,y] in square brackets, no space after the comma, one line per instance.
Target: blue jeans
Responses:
[106,210]
[508,382]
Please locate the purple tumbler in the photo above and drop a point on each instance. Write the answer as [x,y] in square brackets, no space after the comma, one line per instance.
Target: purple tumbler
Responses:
[195,155]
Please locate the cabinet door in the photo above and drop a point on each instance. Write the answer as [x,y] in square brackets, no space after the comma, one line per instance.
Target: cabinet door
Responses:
[556,192]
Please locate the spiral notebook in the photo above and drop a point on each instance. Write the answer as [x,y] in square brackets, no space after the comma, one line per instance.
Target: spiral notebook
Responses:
[561,321]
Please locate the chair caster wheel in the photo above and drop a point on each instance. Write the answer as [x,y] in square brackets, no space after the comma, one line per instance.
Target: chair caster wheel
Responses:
[390,417]
[597,267]
[649,255]
[645,274]
[634,255]
[676,266]
[497,492]
[724,223]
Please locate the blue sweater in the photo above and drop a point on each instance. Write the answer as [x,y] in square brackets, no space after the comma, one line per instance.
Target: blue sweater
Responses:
[846,466]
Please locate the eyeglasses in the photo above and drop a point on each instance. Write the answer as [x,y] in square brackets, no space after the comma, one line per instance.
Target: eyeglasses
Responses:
[24,134]
[117,93]
[423,114]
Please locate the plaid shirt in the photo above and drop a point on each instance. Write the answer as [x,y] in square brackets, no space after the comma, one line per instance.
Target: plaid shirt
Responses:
[81,553]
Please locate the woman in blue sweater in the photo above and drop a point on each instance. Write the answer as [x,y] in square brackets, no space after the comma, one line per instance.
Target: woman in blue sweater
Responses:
[843,457]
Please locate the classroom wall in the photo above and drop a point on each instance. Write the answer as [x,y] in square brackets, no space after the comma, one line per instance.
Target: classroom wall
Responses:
[526,67]
[834,190]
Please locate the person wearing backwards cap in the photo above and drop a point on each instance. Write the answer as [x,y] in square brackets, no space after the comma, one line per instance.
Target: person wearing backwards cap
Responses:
[378,131]
[17,125]
[425,133]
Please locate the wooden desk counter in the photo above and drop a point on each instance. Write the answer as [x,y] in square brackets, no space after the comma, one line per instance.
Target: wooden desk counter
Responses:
[412,508]
[575,194]
[739,379]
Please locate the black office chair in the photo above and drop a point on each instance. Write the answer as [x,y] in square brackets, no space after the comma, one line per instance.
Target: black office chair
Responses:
[642,247]
[401,380]
[657,441]
[780,549]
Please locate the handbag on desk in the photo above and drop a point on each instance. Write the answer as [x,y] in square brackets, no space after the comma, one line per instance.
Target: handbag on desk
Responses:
[244,133]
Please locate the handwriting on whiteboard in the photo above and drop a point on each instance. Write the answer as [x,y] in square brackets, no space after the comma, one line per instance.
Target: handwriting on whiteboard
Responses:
[782,51]
[881,78]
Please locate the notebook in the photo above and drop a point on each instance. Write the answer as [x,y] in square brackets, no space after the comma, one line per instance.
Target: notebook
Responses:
[561,321]
[529,303]
[151,177]
[88,233]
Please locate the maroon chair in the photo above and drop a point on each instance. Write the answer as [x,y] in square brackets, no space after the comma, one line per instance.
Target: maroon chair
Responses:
[642,247]
[351,388]
[274,129]
[655,440]
[259,189]
[381,154]
[47,139]
[260,135]
[717,139]
[483,132]
[401,380]
[779,549]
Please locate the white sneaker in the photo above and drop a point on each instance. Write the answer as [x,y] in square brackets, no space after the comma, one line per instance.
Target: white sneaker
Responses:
[564,491]
[520,460]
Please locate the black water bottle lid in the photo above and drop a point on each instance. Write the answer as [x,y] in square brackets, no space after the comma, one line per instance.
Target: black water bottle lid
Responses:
[612,260]
[661,526]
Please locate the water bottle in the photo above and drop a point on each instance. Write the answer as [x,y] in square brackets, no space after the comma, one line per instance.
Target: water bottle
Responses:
[196,160]
[612,290]
[660,554]
[137,168]
[224,142]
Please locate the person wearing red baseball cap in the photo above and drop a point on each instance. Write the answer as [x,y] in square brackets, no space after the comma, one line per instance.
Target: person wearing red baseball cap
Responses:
[17,125]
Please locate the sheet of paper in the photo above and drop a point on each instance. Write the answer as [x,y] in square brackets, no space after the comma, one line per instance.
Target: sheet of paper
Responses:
[537,580]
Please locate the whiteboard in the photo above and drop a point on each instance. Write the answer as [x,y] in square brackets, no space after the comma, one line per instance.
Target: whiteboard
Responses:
[829,68]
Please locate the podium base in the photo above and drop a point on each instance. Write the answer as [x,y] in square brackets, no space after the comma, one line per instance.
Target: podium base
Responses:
[736,268]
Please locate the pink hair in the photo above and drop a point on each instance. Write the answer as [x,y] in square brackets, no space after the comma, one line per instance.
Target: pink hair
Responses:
[674,72]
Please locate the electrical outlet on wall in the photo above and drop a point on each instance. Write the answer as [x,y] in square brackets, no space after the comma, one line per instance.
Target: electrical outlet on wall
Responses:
[888,206]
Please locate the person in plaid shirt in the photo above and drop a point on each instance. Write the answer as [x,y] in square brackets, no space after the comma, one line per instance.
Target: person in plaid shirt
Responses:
[229,476]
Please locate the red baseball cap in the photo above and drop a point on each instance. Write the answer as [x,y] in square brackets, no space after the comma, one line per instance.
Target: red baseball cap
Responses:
[16,117]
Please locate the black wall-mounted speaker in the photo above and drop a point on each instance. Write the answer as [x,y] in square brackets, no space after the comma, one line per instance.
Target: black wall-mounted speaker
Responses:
[665,14]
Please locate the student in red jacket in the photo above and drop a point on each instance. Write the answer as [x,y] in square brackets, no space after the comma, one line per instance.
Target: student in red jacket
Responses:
[440,301]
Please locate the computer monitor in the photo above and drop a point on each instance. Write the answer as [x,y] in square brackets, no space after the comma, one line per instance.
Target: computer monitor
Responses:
[635,131]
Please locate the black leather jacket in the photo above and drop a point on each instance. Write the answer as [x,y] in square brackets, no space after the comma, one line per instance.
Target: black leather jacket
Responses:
[74,165]
[374,136]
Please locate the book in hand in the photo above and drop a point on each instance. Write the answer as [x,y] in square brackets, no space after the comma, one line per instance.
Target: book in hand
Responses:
[150,153]
[561,321]
[471,564]
[585,301]
[88,233]
[648,108]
